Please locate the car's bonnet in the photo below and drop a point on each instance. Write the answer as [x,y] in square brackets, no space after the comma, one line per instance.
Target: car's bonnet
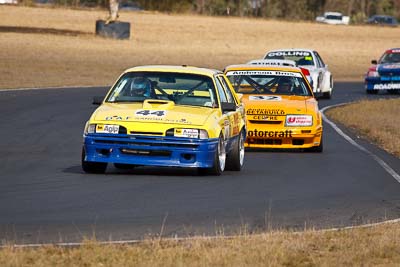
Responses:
[153,112]
[275,105]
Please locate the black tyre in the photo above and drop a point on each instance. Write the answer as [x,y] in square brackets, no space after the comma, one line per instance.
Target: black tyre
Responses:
[393,91]
[327,95]
[372,92]
[92,167]
[235,158]
[317,149]
[219,160]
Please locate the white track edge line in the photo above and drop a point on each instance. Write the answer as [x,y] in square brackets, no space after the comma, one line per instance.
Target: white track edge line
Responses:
[179,239]
[381,162]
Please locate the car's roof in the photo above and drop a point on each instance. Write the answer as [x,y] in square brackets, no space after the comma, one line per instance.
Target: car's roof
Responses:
[173,68]
[291,49]
[333,13]
[261,67]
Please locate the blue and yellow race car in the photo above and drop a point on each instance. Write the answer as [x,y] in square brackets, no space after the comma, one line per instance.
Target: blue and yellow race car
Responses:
[384,74]
[167,116]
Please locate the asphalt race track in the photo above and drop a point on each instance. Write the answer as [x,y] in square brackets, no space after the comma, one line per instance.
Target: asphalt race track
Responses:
[45,196]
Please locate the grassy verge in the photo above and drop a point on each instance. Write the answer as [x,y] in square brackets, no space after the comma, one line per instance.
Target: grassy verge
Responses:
[377,246]
[42,58]
[376,120]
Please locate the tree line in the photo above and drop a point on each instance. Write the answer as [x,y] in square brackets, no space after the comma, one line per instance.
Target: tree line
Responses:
[358,10]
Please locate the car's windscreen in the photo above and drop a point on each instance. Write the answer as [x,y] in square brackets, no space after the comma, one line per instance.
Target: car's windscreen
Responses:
[390,58]
[268,82]
[302,58]
[183,89]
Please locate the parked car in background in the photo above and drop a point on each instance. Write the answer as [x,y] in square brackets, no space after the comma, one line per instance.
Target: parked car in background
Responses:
[383,20]
[335,18]
[321,77]
[171,116]
[9,2]
[384,74]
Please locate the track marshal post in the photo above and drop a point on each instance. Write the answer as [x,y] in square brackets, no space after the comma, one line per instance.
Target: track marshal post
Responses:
[111,28]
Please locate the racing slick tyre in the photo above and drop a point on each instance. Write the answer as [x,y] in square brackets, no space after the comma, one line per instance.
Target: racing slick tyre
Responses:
[123,166]
[92,167]
[317,149]
[219,160]
[235,158]
[372,92]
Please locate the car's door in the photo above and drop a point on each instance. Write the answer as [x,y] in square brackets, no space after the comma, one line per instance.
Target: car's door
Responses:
[230,122]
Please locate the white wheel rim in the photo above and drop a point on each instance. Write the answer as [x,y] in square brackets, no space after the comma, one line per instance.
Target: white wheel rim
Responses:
[241,149]
[221,154]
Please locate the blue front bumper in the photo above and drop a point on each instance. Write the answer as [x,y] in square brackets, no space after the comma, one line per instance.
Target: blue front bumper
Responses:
[150,150]
[382,83]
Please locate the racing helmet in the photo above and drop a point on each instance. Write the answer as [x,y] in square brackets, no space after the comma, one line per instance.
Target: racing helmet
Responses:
[284,85]
[140,86]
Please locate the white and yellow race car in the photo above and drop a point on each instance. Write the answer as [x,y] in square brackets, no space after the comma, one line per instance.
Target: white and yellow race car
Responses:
[280,107]
[167,116]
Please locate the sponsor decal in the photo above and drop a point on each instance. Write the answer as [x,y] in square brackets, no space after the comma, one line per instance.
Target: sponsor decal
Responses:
[265,118]
[262,111]
[391,66]
[299,120]
[111,129]
[270,134]
[190,133]
[155,113]
[387,86]
[289,53]
[262,72]
[265,98]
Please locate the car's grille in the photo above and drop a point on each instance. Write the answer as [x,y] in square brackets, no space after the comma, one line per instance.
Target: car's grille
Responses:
[138,142]
[147,133]
[266,141]
[162,153]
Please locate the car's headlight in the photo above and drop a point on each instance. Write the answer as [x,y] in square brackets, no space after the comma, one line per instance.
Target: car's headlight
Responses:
[188,133]
[372,73]
[89,128]
[299,120]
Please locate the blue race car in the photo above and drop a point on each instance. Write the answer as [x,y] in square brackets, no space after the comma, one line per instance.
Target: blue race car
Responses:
[385,73]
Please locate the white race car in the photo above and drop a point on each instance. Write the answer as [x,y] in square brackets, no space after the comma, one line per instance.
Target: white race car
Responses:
[322,81]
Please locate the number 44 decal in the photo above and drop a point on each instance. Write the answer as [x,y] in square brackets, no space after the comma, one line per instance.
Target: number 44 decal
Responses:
[144,112]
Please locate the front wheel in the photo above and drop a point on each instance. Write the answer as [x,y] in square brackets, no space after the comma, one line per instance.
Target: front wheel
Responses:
[235,157]
[219,160]
[92,167]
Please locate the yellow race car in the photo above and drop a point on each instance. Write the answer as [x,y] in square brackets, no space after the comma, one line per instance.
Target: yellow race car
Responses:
[280,106]
[167,116]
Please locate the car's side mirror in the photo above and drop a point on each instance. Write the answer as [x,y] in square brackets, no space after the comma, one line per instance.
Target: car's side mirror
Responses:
[374,61]
[226,107]
[97,100]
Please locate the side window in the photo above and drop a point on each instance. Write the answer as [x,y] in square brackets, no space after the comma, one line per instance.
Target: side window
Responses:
[321,63]
[229,96]
[221,91]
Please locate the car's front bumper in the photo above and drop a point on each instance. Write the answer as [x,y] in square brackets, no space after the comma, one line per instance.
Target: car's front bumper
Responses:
[150,150]
[382,83]
[284,138]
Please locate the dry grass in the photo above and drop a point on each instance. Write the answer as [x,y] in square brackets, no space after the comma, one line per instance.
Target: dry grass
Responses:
[31,60]
[378,246]
[377,120]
